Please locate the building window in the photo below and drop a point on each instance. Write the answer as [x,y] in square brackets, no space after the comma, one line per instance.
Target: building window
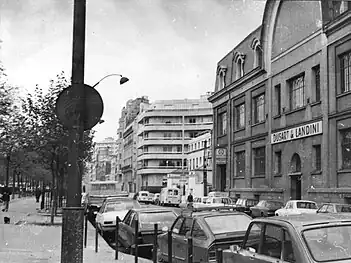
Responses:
[337,8]
[259,161]
[222,124]
[317,157]
[167,149]
[277,92]
[192,120]
[259,109]
[258,56]
[221,78]
[179,149]
[239,68]
[317,82]
[278,162]
[240,164]
[297,92]
[346,72]
[240,116]
[346,149]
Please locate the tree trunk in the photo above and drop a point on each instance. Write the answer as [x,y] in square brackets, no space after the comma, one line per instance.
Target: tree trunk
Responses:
[13,183]
[53,192]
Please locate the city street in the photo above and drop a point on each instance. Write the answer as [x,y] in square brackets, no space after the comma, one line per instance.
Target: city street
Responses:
[29,238]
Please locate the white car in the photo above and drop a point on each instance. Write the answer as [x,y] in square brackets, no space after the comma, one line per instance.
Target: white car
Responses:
[220,201]
[110,209]
[145,197]
[297,207]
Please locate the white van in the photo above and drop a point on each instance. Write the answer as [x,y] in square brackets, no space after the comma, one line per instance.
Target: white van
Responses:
[144,197]
[170,196]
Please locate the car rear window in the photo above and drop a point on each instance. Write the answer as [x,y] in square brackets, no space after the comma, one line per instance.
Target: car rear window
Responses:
[121,205]
[144,194]
[162,218]
[328,244]
[306,205]
[229,223]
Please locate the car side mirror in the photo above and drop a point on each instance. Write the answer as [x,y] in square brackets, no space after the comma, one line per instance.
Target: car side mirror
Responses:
[234,248]
[252,250]
[164,229]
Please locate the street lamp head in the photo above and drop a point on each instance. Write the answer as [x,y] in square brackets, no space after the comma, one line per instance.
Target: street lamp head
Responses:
[123,80]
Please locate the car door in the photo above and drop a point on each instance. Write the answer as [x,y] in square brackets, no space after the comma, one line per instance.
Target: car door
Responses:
[125,229]
[180,241]
[175,229]
[99,216]
[200,243]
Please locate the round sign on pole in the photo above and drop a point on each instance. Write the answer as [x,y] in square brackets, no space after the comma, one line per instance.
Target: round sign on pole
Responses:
[79,104]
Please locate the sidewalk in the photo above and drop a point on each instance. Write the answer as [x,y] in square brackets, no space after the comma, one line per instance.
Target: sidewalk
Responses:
[29,238]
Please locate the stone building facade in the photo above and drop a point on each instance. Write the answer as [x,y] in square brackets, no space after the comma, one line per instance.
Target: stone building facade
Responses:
[282,126]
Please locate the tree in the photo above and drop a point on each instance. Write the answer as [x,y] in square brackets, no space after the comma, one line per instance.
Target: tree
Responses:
[50,139]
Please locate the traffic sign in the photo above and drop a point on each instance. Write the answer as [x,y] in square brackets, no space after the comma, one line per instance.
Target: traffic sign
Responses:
[79,105]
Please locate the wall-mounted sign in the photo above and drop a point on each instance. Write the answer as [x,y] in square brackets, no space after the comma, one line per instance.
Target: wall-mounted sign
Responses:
[297,132]
[221,156]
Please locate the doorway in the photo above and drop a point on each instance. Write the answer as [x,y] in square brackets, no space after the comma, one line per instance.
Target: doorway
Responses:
[223,177]
[295,178]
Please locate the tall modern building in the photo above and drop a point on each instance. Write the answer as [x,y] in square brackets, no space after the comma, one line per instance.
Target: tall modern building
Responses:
[282,119]
[164,130]
[127,142]
[105,160]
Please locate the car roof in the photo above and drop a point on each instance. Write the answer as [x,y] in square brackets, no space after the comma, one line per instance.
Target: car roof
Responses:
[108,199]
[336,204]
[204,214]
[308,201]
[152,209]
[304,220]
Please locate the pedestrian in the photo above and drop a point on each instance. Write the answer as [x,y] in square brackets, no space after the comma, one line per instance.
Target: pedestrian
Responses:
[37,194]
[190,200]
[6,199]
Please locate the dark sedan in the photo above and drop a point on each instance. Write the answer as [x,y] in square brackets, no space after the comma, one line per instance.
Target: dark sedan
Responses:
[146,217]
[334,208]
[209,229]
[244,205]
[265,208]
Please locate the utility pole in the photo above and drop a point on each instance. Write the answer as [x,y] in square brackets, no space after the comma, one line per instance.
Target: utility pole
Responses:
[205,169]
[73,214]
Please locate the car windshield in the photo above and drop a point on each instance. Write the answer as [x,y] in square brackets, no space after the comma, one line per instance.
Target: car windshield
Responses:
[343,208]
[220,224]
[143,194]
[119,205]
[262,203]
[162,218]
[306,205]
[329,243]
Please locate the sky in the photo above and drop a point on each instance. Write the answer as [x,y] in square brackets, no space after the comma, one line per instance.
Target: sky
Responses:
[169,49]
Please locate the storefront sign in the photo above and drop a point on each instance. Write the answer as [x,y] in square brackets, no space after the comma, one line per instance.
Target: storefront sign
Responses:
[297,132]
[221,156]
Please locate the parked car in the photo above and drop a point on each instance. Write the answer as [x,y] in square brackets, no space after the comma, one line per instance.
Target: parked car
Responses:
[209,230]
[244,205]
[304,238]
[215,201]
[144,197]
[156,199]
[296,207]
[146,217]
[200,199]
[334,208]
[112,207]
[266,208]
[170,196]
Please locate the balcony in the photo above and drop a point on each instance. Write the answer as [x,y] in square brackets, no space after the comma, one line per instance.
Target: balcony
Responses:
[160,155]
[158,169]
[160,141]
[198,126]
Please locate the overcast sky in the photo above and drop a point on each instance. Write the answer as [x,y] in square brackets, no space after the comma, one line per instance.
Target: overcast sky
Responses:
[168,48]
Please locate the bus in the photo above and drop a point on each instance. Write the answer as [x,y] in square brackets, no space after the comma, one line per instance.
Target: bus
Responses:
[103,187]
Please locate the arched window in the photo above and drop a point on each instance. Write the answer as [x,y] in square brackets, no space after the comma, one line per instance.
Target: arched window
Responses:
[221,77]
[295,166]
[239,60]
[256,46]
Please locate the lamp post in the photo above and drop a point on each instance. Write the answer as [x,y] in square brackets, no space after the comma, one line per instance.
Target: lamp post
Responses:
[205,169]
[121,81]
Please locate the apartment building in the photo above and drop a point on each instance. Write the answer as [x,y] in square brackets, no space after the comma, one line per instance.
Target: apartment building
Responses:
[165,129]
[104,165]
[282,106]
[199,162]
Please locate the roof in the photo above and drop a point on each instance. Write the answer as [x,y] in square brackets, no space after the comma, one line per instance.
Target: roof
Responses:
[152,209]
[303,220]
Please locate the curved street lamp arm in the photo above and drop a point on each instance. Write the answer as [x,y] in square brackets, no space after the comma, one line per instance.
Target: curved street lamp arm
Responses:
[106,77]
